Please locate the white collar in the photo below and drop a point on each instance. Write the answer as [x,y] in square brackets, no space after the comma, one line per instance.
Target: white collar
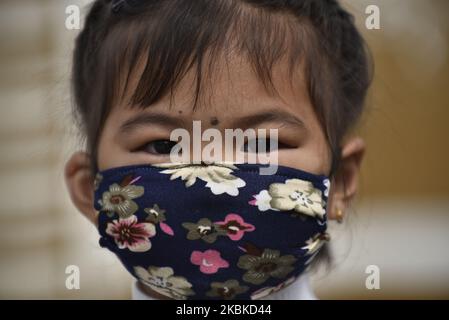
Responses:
[299,290]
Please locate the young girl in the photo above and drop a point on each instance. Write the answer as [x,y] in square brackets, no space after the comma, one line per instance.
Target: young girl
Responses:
[209,230]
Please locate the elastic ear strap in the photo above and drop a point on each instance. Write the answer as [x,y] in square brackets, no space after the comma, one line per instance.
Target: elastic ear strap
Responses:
[126,6]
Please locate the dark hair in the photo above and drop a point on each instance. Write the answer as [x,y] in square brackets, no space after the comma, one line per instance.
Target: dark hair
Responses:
[174,36]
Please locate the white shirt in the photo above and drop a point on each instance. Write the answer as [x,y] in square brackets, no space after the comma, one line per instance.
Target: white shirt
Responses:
[298,290]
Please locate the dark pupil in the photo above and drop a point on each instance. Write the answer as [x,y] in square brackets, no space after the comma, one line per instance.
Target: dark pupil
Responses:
[163,146]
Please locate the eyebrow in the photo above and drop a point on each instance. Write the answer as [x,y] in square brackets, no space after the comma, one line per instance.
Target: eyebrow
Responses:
[271,116]
[249,121]
[147,119]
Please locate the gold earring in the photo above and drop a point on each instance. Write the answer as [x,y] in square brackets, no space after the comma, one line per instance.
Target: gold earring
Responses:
[339,215]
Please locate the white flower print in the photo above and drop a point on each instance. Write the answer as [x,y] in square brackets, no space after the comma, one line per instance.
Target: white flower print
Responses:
[314,244]
[298,195]
[218,177]
[327,184]
[163,281]
[262,201]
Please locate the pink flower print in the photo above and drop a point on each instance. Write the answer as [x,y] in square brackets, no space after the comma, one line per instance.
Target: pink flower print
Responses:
[128,233]
[209,261]
[235,226]
[166,228]
[254,201]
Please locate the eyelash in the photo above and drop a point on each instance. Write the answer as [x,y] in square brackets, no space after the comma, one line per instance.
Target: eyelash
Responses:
[267,145]
[244,149]
[145,147]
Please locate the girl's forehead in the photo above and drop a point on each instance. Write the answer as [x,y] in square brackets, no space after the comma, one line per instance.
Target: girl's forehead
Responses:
[230,90]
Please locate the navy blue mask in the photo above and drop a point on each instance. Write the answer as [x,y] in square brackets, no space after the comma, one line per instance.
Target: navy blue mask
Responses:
[217,231]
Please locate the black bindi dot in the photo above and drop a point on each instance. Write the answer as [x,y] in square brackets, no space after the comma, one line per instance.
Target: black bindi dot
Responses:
[214,121]
[179,111]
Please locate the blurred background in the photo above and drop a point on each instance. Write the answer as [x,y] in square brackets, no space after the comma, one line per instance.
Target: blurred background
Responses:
[399,223]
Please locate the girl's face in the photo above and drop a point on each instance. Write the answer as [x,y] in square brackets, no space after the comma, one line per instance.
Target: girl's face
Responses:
[234,98]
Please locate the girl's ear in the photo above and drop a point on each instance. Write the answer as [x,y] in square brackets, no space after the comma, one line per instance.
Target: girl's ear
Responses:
[80,183]
[345,182]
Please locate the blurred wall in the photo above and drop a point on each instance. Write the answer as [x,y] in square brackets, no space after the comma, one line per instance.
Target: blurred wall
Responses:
[408,109]
[400,221]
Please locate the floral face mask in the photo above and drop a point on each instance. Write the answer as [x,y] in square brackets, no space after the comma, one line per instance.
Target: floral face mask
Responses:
[217,231]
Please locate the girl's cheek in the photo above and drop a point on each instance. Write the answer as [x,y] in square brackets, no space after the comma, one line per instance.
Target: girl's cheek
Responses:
[305,160]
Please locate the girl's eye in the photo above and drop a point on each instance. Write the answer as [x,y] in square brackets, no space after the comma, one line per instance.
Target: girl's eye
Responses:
[262,146]
[159,147]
